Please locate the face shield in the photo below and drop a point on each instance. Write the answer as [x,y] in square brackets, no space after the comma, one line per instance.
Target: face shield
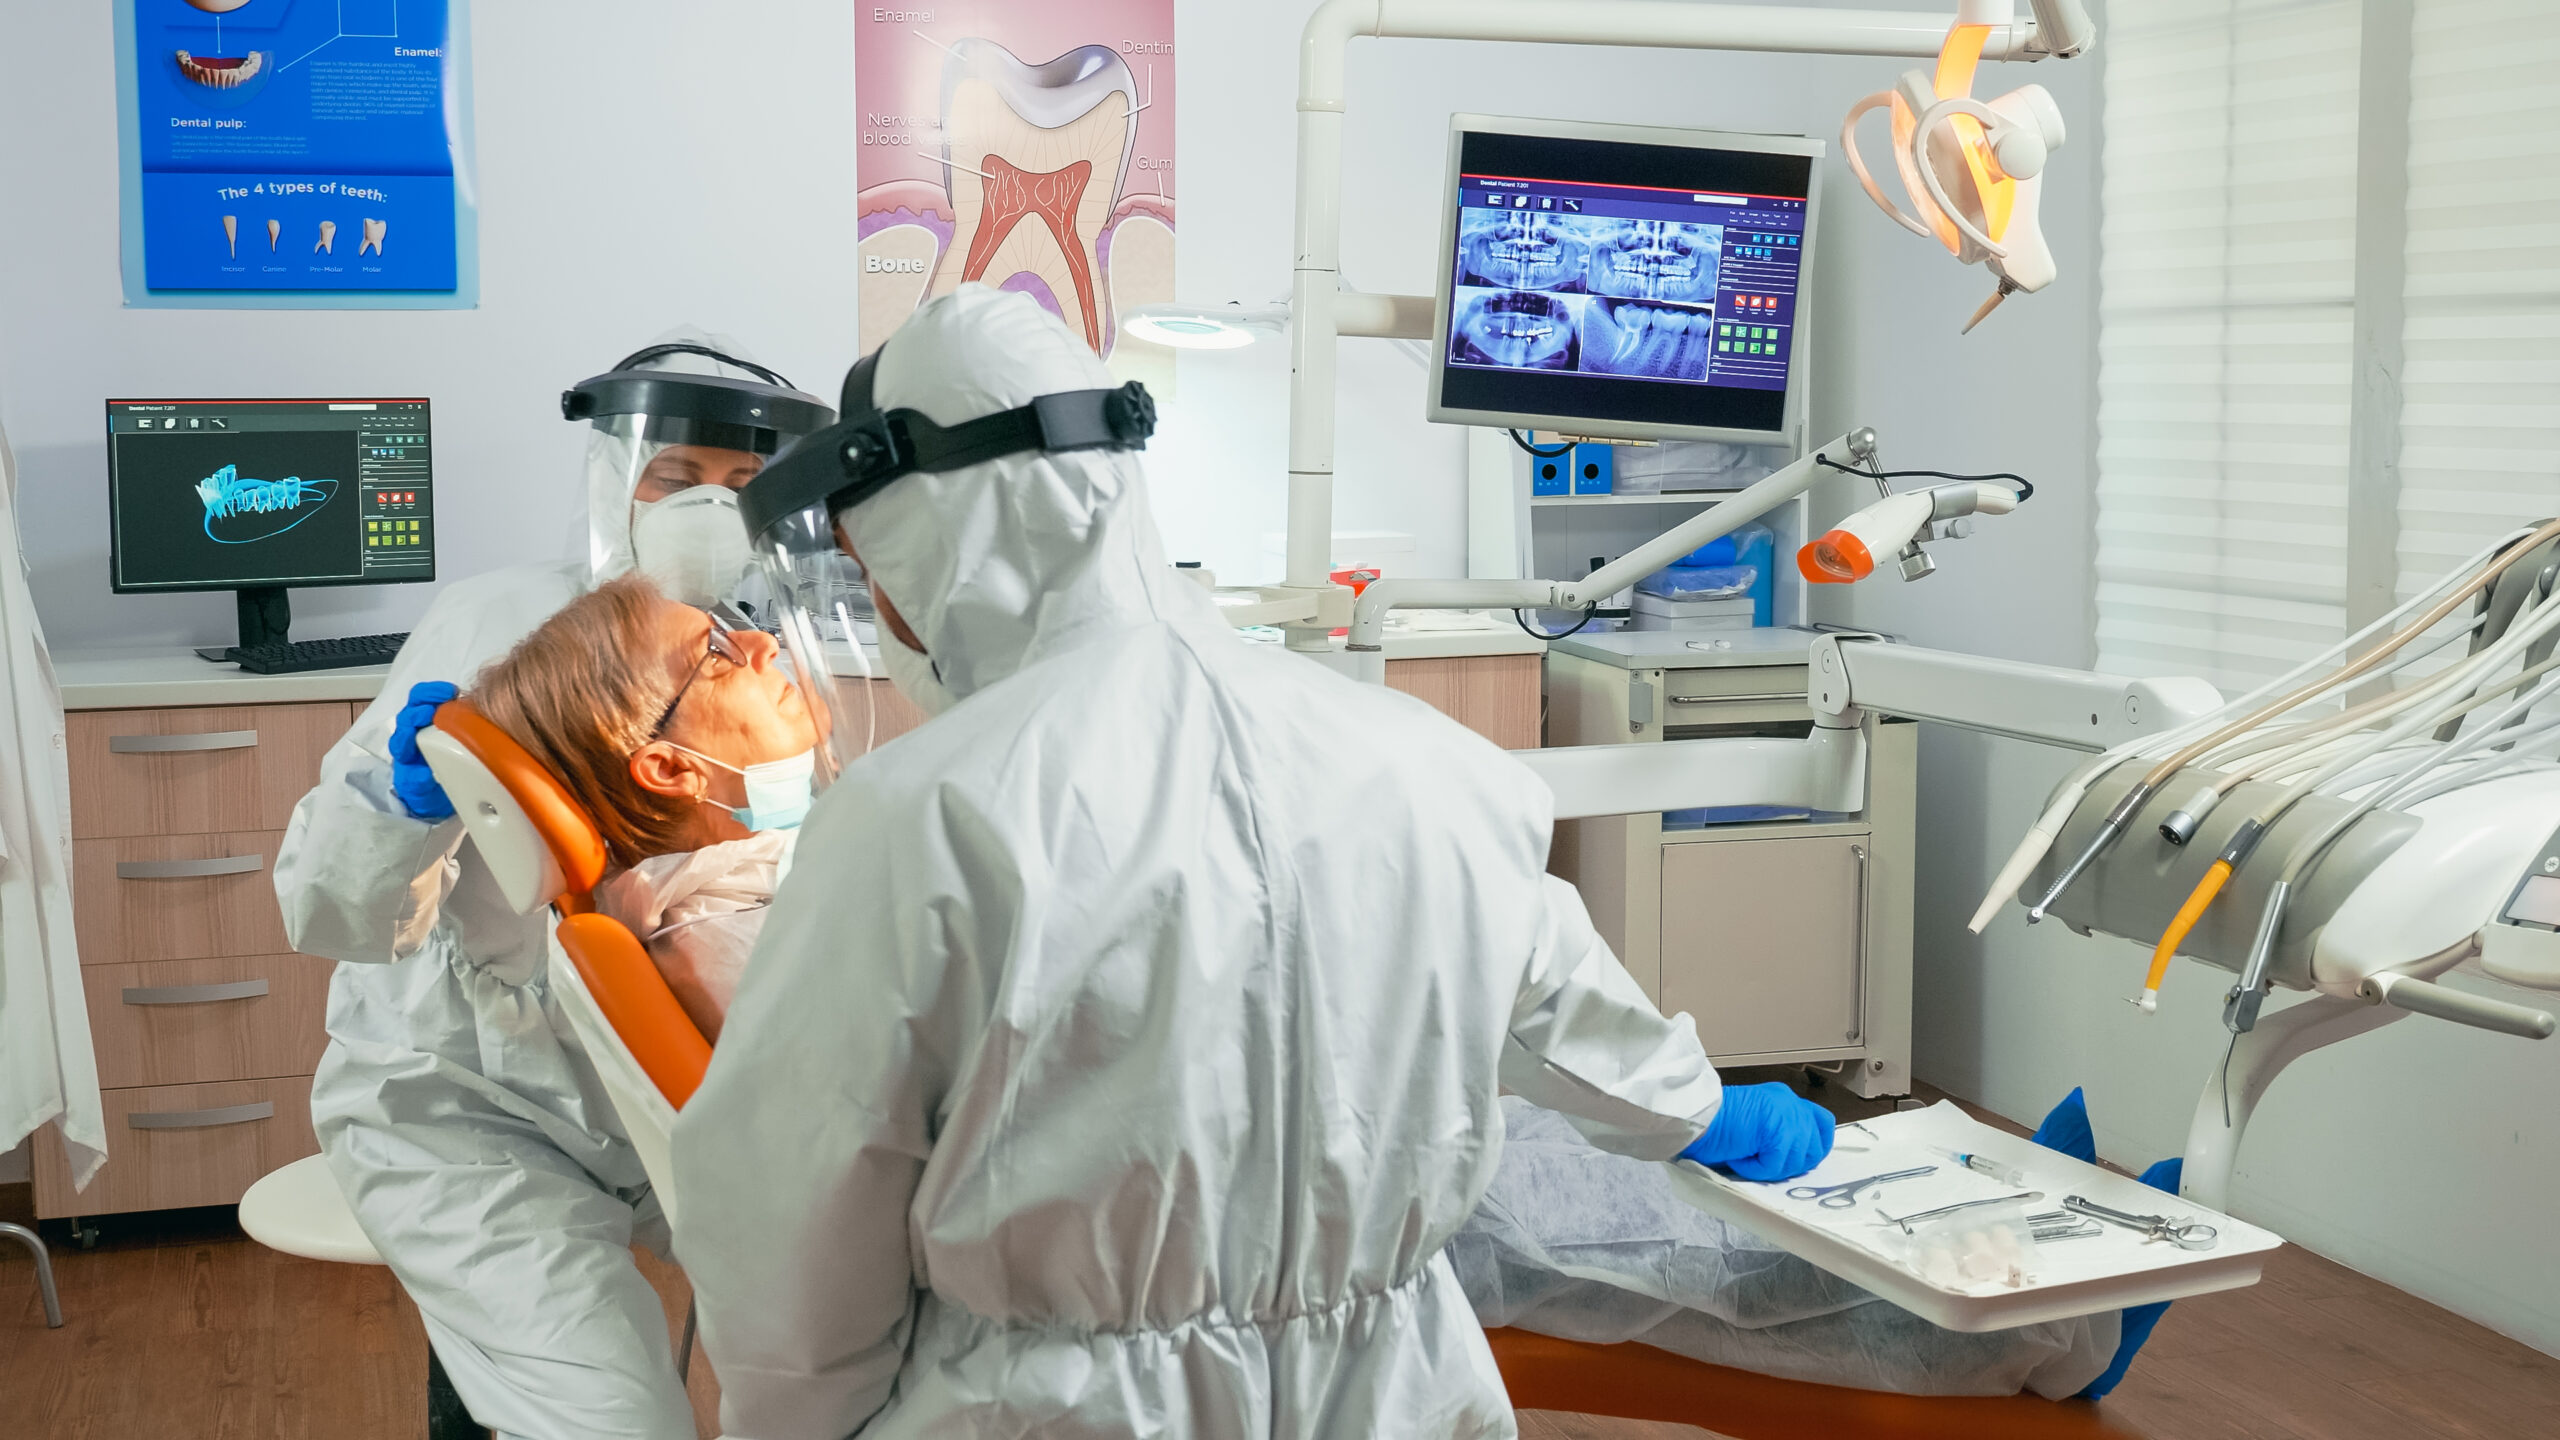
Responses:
[671,448]
[825,611]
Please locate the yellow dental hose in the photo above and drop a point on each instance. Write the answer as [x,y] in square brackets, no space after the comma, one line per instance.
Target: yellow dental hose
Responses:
[2244,841]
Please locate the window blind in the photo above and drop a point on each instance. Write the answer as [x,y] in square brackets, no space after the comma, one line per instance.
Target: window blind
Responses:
[2480,415]
[2226,313]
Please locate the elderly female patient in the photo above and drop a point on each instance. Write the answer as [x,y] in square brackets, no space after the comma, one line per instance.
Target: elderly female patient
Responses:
[690,746]
[692,750]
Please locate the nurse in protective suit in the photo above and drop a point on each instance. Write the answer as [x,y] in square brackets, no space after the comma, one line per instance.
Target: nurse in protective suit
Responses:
[1124,1045]
[469,1133]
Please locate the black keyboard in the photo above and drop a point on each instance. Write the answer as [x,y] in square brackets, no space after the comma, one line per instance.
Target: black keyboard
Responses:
[338,654]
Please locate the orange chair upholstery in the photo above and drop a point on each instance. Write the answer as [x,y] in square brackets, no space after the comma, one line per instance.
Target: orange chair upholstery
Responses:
[1638,1382]
[617,970]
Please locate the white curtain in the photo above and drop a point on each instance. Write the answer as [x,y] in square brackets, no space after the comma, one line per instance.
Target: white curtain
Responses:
[2480,419]
[2234,129]
[2227,305]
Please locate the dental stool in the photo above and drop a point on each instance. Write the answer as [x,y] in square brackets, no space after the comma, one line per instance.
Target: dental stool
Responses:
[299,1210]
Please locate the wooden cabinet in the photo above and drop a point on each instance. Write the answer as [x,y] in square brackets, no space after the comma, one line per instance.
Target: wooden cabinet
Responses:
[207,1028]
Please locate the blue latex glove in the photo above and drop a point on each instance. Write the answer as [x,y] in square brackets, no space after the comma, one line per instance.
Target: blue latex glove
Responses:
[1764,1132]
[412,783]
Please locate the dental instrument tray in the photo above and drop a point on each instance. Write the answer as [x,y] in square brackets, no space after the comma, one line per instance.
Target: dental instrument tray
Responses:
[2089,1274]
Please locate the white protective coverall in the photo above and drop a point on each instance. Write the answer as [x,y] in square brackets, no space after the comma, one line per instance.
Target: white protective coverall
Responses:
[1123,1046]
[48,1069]
[458,1113]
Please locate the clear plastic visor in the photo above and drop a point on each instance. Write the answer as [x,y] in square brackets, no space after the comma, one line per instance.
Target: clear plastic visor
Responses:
[821,612]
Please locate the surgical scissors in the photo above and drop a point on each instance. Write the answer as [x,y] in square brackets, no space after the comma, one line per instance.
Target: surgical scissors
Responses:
[2191,1235]
[1844,1196]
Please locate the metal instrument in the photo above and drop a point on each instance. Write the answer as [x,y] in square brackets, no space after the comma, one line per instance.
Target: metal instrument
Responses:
[1907,1221]
[2055,1225]
[2186,1235]
[1844,1196]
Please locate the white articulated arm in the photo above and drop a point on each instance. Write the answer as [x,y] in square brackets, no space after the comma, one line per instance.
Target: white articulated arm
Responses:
[2074,709]
[1824,771]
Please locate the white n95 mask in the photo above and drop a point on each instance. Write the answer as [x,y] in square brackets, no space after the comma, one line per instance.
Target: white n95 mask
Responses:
[692,543]
[914,674]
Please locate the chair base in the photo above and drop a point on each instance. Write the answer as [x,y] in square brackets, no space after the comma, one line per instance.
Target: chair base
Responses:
[44,1270]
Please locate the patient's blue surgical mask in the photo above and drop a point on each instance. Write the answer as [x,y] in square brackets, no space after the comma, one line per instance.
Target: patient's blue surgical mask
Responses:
[778,791]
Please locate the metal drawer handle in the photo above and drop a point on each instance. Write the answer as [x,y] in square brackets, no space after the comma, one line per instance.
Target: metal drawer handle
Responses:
[193,994]
[190,869]
[164,744]
[201,1119]
[1730,699]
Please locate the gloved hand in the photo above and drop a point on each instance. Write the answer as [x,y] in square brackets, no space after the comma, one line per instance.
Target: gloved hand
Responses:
[412,783]
[1764,1132]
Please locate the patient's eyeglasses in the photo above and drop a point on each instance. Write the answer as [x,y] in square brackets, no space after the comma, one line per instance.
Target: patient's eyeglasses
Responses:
[726,621]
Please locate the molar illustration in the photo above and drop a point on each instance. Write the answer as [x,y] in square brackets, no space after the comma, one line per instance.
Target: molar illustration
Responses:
[1051,144]
[373,232]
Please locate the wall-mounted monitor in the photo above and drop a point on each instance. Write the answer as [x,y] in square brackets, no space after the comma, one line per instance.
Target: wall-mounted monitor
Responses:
[1624,281]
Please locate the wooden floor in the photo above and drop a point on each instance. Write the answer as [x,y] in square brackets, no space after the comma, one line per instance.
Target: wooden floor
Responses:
[179,1326]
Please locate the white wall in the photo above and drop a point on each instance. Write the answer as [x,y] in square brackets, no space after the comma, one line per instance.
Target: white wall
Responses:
[651,162]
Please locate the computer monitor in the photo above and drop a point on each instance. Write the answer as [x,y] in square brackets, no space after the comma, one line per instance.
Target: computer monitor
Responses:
[1624,281]
[256,496]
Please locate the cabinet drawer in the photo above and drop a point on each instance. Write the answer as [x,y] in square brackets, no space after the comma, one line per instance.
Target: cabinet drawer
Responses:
[176,897]
[175,1145]
[1779,684]
[193,772]
[1761,942]
[180,1022]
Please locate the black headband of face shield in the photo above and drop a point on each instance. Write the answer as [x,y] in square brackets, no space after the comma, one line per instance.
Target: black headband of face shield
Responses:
[638,358]
[858,456]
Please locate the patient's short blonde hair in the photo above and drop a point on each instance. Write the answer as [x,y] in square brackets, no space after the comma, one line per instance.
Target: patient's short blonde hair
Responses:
[580,694]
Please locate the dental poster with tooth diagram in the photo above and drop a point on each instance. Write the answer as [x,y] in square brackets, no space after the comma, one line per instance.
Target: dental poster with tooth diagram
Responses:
[296,154]
[1025,144]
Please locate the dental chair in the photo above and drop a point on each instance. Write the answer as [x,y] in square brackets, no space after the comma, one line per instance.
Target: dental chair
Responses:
[542,847]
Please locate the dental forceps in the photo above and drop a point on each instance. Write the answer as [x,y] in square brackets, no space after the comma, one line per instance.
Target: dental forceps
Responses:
[1907,1221]
[2189,1235]
[1844,1196]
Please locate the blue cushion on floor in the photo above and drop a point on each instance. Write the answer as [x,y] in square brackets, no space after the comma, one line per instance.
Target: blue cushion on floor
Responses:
[2066,1128]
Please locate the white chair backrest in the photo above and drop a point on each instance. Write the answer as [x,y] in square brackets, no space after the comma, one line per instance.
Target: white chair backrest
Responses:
[527,874]
[645,1114]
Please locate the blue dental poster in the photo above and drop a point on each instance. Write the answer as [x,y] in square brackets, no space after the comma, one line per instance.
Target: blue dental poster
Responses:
[293,154]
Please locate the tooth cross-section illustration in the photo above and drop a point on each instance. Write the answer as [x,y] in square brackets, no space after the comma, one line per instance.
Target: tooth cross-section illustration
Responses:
[1037,156]
[328,239]
[373,231]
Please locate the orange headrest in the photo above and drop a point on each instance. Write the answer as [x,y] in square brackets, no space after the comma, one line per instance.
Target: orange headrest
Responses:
[575,843]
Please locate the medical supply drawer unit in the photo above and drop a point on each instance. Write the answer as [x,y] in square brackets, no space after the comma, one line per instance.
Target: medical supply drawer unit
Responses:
[1788,939]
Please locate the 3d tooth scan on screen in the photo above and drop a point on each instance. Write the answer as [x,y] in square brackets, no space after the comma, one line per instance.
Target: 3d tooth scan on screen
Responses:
[1605,282]
[226,494]
[254,510]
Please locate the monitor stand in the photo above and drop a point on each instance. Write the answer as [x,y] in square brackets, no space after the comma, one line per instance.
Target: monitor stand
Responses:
[265,615]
